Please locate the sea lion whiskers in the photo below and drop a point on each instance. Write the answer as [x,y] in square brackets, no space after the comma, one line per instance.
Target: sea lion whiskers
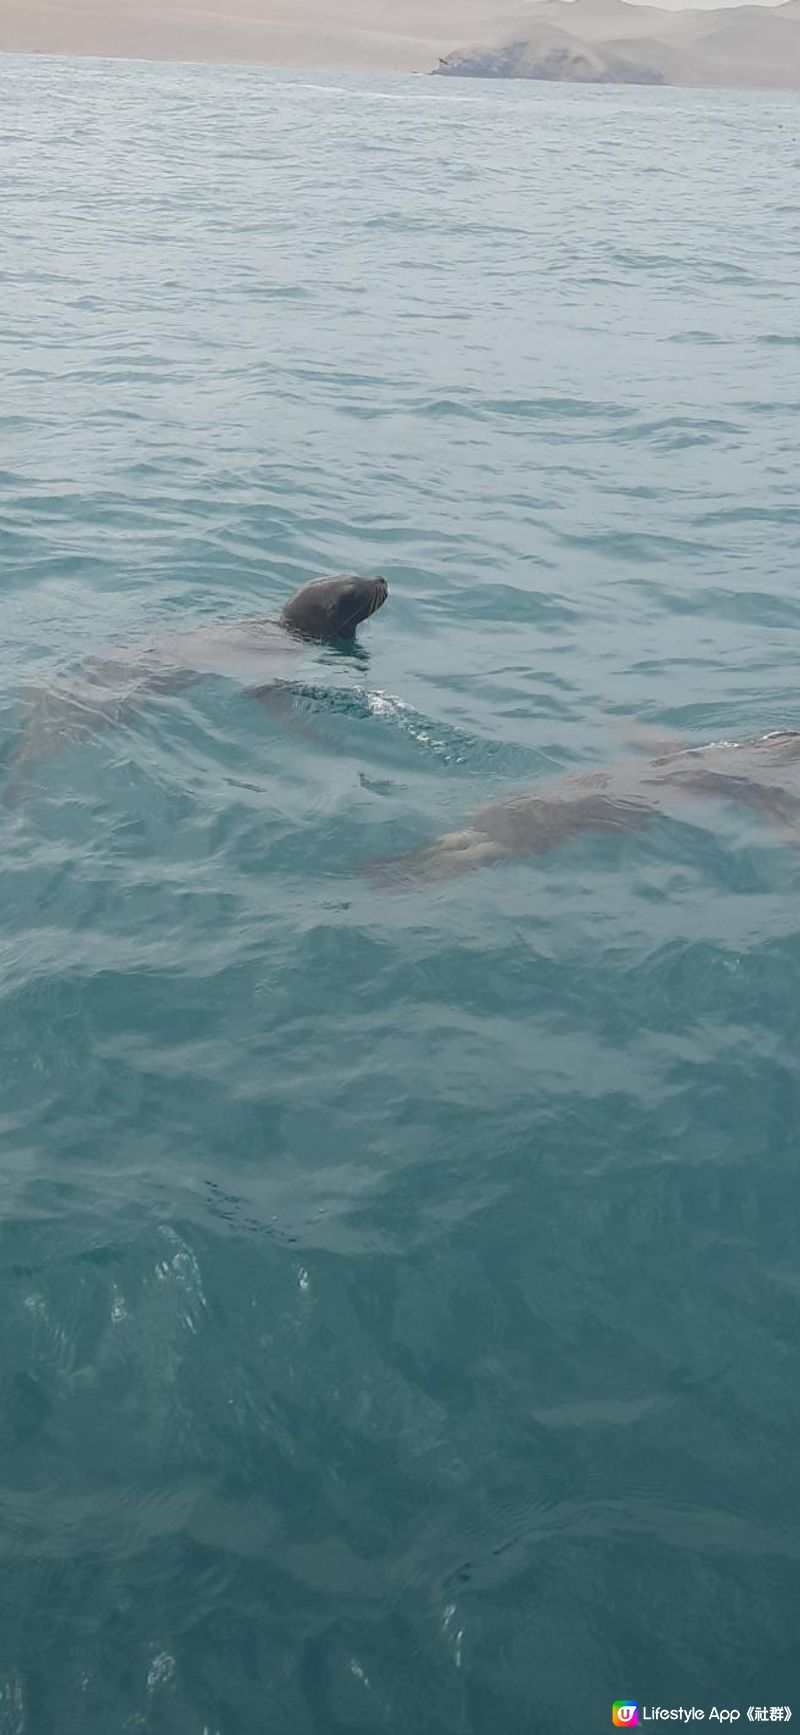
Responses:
[376,601]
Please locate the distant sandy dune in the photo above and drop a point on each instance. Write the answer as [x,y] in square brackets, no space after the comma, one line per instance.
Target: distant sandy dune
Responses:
[381,35]
[613,42]
[590,41]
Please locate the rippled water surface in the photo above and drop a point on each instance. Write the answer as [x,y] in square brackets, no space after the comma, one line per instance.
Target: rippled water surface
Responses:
[398,1294]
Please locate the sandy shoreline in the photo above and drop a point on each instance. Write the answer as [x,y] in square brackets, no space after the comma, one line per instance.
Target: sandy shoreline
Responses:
[590,41]
[302,34]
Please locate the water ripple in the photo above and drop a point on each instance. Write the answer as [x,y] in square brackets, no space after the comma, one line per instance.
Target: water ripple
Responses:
[399,1295]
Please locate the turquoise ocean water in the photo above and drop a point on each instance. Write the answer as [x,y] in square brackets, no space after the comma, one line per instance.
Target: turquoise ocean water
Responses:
[398,1294]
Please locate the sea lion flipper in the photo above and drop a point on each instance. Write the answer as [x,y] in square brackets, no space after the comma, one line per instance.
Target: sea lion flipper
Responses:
[780,808]
[509,830]
[643,738]
[456,853]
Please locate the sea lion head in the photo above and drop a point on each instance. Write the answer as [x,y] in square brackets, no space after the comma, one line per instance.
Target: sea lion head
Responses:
[331,608]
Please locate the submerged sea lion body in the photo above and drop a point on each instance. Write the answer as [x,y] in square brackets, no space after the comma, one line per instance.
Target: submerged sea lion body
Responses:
[111,689]
[763,775]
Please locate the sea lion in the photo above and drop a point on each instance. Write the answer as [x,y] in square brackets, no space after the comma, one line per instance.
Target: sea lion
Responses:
[763,775]
[110,689]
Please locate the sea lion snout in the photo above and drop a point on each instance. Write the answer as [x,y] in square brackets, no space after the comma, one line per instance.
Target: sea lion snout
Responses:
[360,597]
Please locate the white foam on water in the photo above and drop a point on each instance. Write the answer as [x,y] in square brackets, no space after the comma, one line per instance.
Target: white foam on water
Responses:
[382,704]
[161,1671]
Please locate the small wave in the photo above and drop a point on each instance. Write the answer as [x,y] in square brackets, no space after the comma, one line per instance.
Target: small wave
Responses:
[387,705]
[697,337]
[474,407]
